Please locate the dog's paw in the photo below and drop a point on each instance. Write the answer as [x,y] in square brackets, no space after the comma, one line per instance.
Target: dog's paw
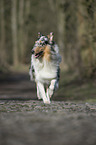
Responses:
[47,102]
[39,97]
[49,92]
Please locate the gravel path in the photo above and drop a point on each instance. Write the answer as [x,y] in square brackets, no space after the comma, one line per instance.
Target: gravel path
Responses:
[26,121]
[33,123]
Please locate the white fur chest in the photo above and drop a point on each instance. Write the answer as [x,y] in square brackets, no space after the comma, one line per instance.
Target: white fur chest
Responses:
[45,70]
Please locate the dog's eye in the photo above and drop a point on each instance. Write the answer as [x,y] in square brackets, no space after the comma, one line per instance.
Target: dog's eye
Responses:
[46,42]
[32,51]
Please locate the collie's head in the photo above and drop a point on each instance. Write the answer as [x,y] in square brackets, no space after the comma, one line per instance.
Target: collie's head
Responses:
[42,47]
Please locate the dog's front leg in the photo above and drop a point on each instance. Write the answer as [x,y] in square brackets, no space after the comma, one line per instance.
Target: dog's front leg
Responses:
[52,87]
[42,93]
[38,93]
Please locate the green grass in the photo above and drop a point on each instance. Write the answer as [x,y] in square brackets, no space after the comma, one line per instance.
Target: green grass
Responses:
[73,88]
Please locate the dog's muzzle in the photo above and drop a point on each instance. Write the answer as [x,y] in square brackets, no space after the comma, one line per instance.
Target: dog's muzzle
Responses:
[39,54]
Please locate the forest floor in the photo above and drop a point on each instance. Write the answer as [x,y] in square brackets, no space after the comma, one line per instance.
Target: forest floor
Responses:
[70,119]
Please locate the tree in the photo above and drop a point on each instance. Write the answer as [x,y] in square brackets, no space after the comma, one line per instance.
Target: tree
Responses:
[21,30]
[2,35]
[67,26]
[14,31]
[27,28]
[58,7]
[61,31]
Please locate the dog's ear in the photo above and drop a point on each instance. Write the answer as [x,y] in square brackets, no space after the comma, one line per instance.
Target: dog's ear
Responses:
[39,34]
[50,37]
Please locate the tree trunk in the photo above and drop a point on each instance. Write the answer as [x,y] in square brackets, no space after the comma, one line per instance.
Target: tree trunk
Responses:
[61,31]
[71,39]
[27,13]
[27,26]
[21,29]
[14,32]
[2,35]
[67,27]
[88,36]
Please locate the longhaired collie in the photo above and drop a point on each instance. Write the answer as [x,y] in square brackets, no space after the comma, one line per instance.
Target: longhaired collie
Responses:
[45,70]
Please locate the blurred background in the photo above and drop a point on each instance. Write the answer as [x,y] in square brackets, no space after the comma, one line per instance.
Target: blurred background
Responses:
[74,25]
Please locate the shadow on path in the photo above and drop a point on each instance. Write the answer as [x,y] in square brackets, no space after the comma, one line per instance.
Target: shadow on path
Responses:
[17,86]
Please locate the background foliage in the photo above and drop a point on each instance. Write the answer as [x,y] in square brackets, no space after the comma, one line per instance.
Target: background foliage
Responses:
[73,23]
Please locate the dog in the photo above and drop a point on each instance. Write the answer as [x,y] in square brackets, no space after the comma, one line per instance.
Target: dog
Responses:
[45,70]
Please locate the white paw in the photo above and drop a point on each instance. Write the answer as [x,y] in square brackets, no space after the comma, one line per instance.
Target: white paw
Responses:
[47,102]
[49,92]
[39,97]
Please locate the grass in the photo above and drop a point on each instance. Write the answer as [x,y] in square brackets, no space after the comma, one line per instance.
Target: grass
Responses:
[73,88]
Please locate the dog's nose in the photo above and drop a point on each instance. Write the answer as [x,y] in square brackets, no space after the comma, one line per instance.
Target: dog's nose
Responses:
[32,51]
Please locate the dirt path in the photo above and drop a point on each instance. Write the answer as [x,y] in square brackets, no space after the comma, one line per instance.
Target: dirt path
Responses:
[17,86]
[26,121]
